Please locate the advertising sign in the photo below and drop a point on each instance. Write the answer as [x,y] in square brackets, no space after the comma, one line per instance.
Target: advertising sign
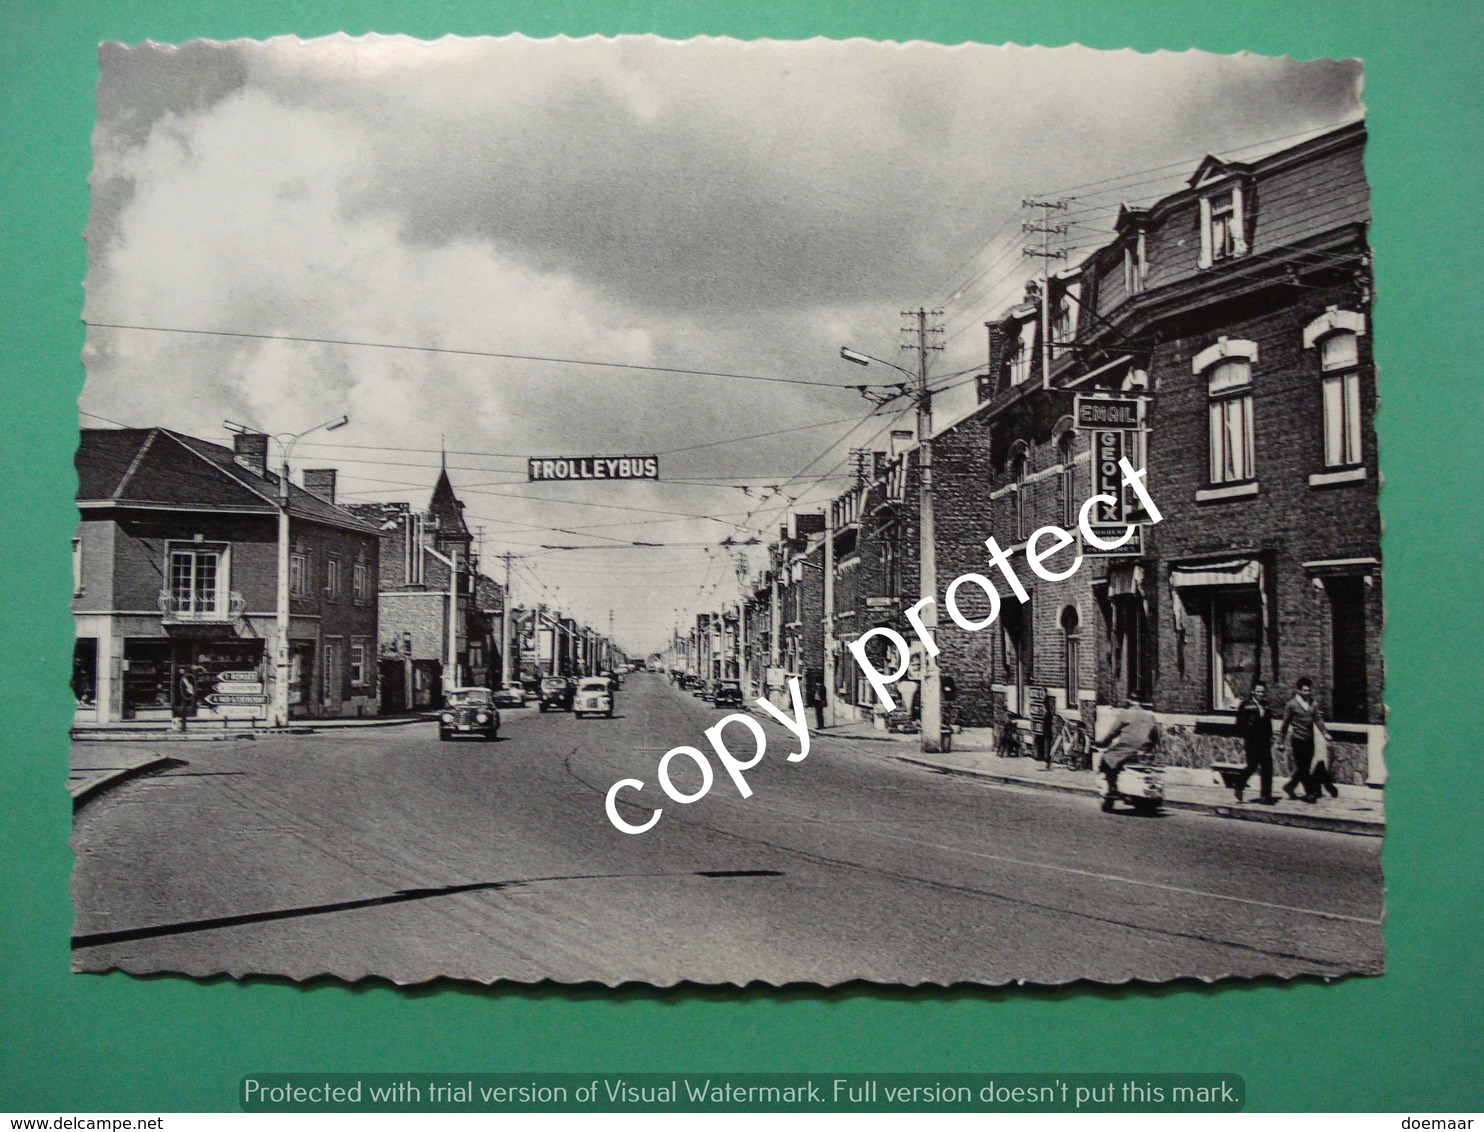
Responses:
[542,469]
[1109,412]
[1108,447]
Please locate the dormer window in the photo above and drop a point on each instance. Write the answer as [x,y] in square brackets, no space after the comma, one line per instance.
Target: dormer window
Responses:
[1223,226]
[1135,264]
[1064,325]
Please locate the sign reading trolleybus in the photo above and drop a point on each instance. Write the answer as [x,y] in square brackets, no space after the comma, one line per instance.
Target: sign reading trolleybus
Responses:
[542,468]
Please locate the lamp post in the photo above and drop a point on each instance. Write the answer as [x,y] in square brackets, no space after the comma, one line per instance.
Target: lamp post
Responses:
[930,691]
[285,442]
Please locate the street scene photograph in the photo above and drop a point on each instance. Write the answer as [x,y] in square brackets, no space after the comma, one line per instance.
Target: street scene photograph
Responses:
[622,510]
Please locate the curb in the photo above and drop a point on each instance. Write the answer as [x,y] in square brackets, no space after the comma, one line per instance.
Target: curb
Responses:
[312,727]
[1266,815]
[89,788]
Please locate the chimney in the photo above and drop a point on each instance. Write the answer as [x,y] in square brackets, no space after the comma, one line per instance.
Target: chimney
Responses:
[250,449]
[321,481]
[997,352]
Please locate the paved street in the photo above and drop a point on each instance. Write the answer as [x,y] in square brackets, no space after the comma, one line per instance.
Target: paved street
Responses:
[385,851]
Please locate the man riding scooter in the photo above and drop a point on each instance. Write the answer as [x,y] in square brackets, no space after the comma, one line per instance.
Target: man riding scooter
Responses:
[1132,737]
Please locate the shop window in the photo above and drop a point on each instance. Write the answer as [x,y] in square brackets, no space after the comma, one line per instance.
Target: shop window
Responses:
[197,583]
[85,671]
[1229,387]
[1235,632]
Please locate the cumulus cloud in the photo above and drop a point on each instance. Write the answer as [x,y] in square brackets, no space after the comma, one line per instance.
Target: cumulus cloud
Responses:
[711,205]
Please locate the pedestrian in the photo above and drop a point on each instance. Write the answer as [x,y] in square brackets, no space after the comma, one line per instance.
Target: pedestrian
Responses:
[817,698]
[1133,733]
[1255,724]
[1301,720]
[1046,728]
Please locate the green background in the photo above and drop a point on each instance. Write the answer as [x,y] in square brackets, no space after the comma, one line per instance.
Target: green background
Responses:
[1409,1040]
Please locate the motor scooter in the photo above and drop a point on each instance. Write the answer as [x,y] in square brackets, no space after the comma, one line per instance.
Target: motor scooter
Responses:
[1141,785]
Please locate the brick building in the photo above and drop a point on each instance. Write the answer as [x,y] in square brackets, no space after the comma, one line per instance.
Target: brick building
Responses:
[1237,310]
[426,555]
[176,580]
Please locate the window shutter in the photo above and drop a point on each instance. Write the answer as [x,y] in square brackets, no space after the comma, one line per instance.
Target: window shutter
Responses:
[1205,232]
[1239,223]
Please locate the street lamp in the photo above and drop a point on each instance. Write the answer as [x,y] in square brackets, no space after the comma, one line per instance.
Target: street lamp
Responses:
[285,442]
[930,692]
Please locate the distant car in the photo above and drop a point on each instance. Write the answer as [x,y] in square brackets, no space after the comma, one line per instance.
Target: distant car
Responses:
[510,696]
[614,678]
[468,712]
[556,694]
[531,685]
[594,696]
[726,693]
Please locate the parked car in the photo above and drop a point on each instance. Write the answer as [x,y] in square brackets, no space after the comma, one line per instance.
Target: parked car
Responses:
[468,712]
[614,679]
[594,696]
[726,693]
[556,693]
[511,696]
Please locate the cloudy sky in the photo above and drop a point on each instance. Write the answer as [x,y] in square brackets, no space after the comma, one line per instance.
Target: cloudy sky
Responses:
[741,209]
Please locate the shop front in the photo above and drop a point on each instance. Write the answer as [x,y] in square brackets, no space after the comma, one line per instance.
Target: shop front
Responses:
[194,679]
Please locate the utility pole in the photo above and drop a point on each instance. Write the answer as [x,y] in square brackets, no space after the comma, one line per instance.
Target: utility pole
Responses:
[828,675]
[932,704]
[1044,253]
[505,612]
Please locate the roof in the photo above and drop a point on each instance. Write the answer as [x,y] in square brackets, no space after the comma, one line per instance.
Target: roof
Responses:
[158,467]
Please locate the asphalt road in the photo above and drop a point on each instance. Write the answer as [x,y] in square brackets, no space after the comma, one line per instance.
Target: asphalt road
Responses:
[385,852]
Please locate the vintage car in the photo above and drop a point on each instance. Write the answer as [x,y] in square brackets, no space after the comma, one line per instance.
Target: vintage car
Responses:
[556,693]
[594,696]
[726,693]
[468,712]
[510,696]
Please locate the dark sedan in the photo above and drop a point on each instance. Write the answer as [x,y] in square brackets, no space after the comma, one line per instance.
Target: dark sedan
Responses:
[468,713]
[556,694]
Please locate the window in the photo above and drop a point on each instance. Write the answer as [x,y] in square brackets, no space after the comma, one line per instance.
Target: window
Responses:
[77,567]
[1339,360]
[1230,388]
[1236,634]
[360,583]
[1223,234]
[298,574]
[332,579]
[1135,265]
[1065,482]
[413,559]
[357,665]
[196,578]
[1071,651]
[1064,326]
[1019,461]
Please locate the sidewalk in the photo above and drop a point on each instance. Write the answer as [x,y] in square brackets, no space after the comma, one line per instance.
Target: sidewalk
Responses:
[160,731]
[1358,809]
[94,769]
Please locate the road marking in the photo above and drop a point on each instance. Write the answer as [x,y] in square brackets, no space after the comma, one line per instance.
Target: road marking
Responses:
[1130,880]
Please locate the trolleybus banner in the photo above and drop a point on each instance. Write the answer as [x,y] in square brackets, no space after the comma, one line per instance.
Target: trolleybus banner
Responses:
[544,468]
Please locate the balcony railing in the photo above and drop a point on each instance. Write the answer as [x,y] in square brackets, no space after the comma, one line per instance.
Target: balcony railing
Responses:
[200,609]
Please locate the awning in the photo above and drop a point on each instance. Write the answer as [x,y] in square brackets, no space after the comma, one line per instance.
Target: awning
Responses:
[1230,572]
